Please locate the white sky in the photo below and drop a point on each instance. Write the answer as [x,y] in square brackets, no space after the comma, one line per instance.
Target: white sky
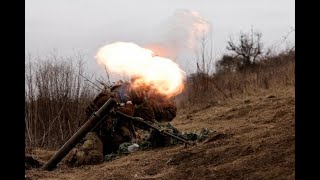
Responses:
[85,25]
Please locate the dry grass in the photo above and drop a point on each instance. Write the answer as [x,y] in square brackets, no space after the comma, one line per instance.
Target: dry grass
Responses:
[256,142]
[56,95]
[270,73]
[253,109]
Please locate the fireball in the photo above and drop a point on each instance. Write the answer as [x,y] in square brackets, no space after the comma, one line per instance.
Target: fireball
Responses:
[158,73]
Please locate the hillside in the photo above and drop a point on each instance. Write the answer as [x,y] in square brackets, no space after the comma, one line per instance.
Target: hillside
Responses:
[254,139]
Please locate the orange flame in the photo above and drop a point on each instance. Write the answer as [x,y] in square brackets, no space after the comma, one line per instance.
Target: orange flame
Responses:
[158,73]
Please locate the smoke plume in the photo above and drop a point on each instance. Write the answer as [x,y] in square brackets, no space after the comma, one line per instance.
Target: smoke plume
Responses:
[182,31]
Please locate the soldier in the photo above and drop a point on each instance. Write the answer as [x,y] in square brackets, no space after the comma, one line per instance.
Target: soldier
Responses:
[156,107]
[112,132]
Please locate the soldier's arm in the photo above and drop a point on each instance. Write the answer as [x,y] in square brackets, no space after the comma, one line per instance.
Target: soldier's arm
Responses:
[164,112]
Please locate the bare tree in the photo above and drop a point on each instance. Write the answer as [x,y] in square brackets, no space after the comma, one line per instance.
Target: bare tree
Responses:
[198,82]
[203,54]
[56,95]
[249,48]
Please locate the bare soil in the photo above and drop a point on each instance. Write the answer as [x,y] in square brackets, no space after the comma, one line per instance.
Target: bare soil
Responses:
[255,139]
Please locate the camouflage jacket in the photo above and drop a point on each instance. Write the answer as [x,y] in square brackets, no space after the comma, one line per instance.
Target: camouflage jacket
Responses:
[145,106]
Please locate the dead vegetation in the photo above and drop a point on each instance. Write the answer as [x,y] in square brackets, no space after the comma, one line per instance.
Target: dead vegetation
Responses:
[251,106]
[58,89]
[254,140]
[248,69]
[55,98]
[270,73]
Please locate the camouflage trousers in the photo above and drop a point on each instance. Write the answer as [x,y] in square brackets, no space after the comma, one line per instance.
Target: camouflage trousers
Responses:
[89,151]
[95,145]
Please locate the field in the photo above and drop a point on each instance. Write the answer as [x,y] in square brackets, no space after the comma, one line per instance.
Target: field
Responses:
[254,139]
[250,107]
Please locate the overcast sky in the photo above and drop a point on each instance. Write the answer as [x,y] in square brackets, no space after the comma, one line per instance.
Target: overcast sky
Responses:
[86,25]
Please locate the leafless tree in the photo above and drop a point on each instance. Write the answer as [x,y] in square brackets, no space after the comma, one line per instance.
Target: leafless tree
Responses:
[55,98]
[203,54]
[198,82]
[249,47]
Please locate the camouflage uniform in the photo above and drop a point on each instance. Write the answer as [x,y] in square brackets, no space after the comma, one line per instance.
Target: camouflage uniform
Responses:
[160,109]
[110,134]
[113,132]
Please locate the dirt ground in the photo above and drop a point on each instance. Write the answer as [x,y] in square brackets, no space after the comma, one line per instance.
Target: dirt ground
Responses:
[255,139]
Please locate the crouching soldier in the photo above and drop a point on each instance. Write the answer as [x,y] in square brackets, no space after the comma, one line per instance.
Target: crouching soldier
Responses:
[107,137]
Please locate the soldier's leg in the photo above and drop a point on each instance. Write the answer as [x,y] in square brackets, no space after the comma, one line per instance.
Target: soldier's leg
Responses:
[112,141]
[90,151]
